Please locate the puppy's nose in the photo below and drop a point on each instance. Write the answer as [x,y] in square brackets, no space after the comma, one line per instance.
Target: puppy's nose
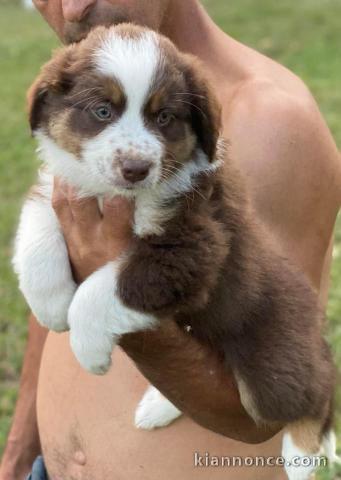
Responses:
[135,170]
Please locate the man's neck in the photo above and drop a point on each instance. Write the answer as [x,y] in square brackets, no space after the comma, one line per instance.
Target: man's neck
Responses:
[189,26]
[192,30]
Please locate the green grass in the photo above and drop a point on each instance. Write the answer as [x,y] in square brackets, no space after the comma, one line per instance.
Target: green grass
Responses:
[304,35]
[25,43]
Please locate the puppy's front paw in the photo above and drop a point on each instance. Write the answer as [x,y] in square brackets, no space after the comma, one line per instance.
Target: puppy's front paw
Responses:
[155,411]
[91,319]
[91,342]
[97,319]
[93,353]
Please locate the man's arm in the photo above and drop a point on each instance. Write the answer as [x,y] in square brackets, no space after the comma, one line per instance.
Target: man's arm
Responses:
[23,441]
[192,377]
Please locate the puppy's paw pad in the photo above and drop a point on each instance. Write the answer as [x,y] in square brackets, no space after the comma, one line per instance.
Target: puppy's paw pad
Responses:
[155,411]
[100,369]
[96,359]
[93,364]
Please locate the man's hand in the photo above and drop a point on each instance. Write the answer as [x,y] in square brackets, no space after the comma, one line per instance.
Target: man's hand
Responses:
[93,237]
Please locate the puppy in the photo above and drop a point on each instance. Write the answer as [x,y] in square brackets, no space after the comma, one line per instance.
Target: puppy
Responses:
[124,112]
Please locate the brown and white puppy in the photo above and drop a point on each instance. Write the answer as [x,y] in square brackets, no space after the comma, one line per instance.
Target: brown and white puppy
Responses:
[124,112]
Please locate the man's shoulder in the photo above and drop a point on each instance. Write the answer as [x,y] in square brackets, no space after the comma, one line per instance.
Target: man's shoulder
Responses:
[262,99]
[279,124]
[293,168]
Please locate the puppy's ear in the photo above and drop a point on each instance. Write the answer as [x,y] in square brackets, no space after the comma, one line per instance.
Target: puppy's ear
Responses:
[55,78]
[205,109]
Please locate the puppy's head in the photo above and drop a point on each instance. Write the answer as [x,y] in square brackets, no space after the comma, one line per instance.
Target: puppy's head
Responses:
[124,111]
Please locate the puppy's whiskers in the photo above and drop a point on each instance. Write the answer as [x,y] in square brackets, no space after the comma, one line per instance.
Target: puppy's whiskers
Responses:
[172,156]
[166,179]
[176,172]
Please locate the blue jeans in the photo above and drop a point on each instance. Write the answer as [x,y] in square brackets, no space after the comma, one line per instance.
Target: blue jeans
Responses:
[38,470]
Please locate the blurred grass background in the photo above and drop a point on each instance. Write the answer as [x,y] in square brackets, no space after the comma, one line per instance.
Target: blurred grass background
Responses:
[304,35]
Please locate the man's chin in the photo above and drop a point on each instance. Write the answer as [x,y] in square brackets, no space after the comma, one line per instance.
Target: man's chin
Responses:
[75,32]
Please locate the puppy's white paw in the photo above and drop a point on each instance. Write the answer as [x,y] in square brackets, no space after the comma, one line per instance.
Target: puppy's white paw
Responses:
[51,308]
[90,341]
[97,319]
[91,318]
[155,411]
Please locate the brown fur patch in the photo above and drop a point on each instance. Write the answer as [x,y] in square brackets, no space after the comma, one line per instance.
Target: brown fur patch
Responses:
[63,135]
[156,101]
[130,30]
[114,91]
[182,149]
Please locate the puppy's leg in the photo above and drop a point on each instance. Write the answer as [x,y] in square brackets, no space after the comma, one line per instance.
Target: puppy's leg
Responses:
[97,319]
[155,411]
[304,445]
[42,264]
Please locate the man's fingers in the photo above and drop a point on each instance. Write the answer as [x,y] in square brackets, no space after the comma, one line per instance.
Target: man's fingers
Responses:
[85,211]
[80,217]
[118,214]
[60,203]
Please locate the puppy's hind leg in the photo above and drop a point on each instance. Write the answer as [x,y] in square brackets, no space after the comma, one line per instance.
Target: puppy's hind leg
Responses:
[155,411]
[304,446]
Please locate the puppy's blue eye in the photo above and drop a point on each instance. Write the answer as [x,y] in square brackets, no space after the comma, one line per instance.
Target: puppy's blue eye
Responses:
[164,118]
[103,112]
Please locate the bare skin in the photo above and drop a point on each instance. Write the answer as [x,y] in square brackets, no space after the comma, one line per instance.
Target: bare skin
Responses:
[293,171]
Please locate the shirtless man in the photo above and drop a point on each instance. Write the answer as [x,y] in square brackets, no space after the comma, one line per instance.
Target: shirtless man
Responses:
[293,171]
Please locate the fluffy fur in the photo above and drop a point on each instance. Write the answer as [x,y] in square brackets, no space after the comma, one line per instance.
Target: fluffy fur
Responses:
[197,254]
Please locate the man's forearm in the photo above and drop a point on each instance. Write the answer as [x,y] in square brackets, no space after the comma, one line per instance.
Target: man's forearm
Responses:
[195,380]
[23,441]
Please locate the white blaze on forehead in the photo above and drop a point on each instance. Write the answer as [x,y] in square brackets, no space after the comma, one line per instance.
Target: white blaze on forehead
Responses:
[133,61]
